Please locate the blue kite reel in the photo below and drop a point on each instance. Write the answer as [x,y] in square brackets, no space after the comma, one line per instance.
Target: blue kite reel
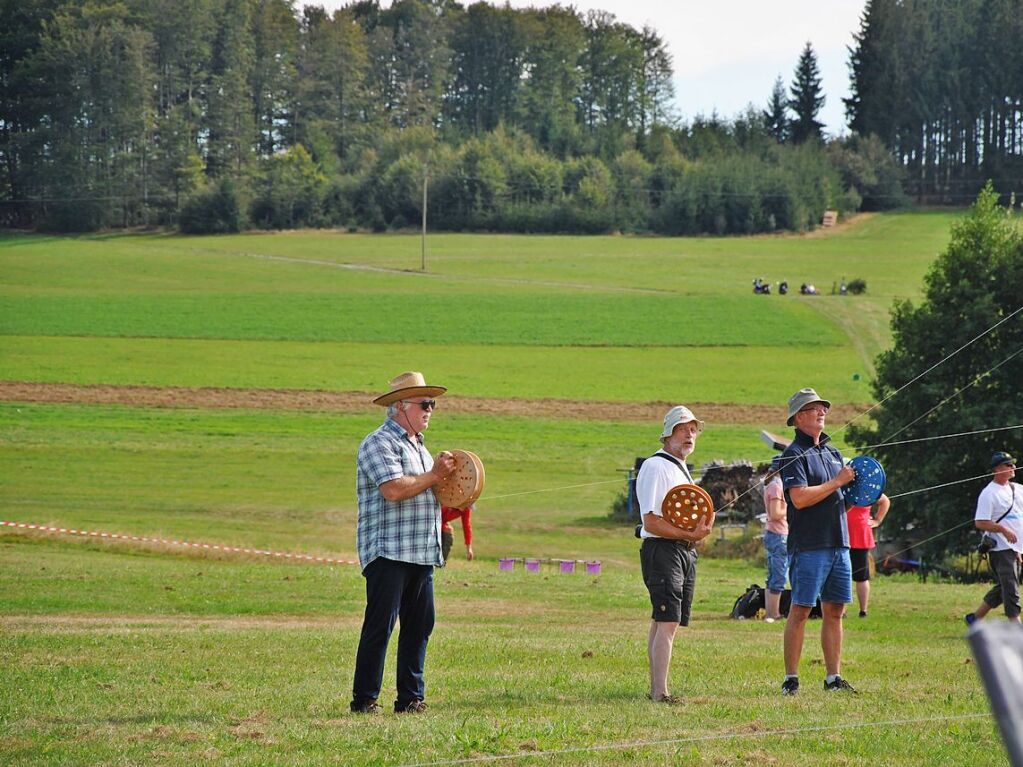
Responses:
[869,483]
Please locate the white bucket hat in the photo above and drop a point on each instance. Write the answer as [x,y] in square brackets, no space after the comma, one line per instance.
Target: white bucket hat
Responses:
[675,416]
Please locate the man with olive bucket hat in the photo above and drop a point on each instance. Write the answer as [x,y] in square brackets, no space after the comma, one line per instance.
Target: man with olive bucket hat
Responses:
[399,543]
[1000,515]
[813,475]
[668,554]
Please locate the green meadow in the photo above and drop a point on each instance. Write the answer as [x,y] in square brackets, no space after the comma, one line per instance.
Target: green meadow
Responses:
[115,653]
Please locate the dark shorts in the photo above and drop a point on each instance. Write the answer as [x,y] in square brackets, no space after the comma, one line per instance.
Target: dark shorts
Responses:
[1006,570]
[669,572]
[860,559]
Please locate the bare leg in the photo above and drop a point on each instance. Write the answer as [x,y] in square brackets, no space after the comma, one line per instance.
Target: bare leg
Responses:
[863,594]
[773,604]
[795,628]
[983,610]
[831,636]
[662,636]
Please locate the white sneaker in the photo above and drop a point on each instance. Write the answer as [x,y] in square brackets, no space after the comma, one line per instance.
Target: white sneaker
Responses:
[768,620]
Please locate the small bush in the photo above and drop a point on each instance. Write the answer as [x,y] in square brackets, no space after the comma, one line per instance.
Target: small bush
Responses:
[620,510]
[211,211]
[857,286]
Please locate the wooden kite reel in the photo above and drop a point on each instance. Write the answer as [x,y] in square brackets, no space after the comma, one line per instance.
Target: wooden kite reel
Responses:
[464,485]
[686,506]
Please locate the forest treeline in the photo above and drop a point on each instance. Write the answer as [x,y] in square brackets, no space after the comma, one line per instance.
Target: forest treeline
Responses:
[941,84]
[223,114]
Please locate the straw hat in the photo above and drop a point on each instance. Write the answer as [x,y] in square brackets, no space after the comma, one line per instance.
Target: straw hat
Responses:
[410,384]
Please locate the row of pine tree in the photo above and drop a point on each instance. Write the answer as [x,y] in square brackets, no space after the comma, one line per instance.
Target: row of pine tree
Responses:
[219,114]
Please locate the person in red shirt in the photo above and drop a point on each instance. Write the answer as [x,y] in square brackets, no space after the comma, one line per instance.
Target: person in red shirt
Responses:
[447,532]
[861,541]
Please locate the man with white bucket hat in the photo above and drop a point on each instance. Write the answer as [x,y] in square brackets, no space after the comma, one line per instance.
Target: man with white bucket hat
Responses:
[813,475]
[668,554]
[399,541]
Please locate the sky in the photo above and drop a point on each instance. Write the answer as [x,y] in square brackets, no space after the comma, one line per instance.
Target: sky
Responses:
[727,53]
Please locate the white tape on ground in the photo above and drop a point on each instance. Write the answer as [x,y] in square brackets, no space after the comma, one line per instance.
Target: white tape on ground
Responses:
[186,544]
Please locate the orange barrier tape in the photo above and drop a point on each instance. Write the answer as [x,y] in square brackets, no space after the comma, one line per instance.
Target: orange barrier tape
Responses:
[188,544]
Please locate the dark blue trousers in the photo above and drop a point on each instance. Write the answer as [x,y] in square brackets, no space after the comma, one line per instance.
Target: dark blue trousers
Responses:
[394,591]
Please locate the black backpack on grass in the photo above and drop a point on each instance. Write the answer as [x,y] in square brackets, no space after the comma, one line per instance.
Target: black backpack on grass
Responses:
[749,603]
[753,601]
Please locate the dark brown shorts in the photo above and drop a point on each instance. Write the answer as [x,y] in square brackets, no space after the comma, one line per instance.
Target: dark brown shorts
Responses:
[669,572]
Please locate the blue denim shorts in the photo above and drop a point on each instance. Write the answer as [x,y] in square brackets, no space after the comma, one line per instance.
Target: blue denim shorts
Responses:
[823,573]
[775,545]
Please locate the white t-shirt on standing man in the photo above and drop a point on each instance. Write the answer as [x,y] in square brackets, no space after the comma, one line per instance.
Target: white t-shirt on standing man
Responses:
[656,477]
[994,501]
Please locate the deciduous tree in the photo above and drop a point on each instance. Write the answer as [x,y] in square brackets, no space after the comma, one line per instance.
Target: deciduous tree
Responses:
[973,386]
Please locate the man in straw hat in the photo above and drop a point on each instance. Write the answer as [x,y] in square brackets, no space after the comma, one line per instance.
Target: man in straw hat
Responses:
[399,542]
[813,474]
[1000,515]
[668,553]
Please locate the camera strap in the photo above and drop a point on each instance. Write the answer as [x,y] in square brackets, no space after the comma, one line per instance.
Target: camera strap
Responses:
[1011,506]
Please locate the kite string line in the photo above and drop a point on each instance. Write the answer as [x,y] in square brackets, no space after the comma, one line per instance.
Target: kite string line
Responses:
[550,489]
[977,379]
[883,444]
[566,487]
[899,442]
[333,560]
[927,540]
[944,484]
[842,428]
[932,367]
[698,739]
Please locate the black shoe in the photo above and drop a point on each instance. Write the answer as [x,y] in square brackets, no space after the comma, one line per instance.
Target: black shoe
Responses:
[863,613]
[413,707]
[366,707]
[840,685]
[970,618]
[790,686]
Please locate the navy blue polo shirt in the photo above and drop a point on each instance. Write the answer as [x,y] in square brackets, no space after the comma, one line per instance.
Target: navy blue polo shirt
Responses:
[823,525]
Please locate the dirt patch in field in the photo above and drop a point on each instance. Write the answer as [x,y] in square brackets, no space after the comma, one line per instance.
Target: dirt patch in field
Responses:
[131,624]
[360,402]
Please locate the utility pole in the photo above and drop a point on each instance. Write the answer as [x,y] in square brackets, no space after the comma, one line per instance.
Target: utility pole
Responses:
[426,176]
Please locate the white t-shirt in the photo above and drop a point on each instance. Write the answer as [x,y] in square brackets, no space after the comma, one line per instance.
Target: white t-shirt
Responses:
[656,477]
[994,501]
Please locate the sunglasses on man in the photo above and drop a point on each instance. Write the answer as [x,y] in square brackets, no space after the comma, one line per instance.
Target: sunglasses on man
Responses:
[818,408]
[426,404]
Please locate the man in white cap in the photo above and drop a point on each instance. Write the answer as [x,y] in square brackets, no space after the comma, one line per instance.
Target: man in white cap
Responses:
[399,541]
[813,475]
[1000,515]
[668,554]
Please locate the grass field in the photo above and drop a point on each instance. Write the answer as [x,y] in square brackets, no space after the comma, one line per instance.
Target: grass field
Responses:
[120,654]
[117,657]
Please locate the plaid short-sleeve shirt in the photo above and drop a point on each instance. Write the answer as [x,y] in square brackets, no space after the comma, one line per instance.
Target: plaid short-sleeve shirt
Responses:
[405,531]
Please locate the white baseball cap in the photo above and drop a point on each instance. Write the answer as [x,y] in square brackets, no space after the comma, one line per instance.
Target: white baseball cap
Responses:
[675,416]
